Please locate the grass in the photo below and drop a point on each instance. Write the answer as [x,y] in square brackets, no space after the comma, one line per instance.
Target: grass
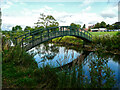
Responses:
[68,40]
[103,33]
[19,70]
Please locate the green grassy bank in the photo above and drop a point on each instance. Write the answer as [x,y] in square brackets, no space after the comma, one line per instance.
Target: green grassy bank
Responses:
[20,71]
[103,33]
[106,40]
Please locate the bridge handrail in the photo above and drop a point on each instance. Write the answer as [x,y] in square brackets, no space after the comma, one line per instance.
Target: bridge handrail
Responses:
[42,32]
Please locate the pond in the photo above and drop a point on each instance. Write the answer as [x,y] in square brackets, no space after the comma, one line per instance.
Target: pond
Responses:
[103,67]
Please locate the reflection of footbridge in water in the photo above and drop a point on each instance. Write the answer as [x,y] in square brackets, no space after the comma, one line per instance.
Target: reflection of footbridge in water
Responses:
[82,59]
[34,38]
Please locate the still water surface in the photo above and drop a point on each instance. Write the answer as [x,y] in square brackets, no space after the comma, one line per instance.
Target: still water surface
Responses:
[62,56]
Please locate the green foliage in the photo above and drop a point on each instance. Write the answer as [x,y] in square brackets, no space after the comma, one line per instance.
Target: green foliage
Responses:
[75,25]
[17,28]
[28,28]
[108,26]
[102,24]
[68,40]
[97,34]
[116,26]
[118,33]
[97,25]
[84,26]
[101,75]
[17,56]
[107,41]
[46,21]
[46,76]
[89,29]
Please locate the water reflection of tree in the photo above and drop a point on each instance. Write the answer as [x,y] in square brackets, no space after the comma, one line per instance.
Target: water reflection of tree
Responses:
[47,51]
[82,59]
[101,75]
[115,58]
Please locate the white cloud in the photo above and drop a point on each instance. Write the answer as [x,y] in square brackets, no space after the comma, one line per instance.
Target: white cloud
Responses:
[6,5]
[29,17]
[110,12]
[87,9]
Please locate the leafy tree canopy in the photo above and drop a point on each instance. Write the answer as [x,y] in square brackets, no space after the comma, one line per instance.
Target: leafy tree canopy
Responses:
[46,21]
[84,26]
[17,28]
[28,28]
[75,25]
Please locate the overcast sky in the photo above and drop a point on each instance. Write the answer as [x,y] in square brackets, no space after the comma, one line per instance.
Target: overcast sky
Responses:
[27,12]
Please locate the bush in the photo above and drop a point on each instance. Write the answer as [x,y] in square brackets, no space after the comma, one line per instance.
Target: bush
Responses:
[108,41]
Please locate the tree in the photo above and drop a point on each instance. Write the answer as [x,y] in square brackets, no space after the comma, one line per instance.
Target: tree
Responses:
[73,25]
[28,28]
[17,28]
[89,29]
[102,24]
[84,26]
[36,28]
[78,25]
[97,25]
[116,26]
[108,26]
[111,27]
[46,21]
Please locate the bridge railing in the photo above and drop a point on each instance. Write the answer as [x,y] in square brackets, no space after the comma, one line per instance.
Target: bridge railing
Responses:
[41,35]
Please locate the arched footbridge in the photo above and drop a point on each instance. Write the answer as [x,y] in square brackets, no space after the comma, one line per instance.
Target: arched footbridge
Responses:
[36,37]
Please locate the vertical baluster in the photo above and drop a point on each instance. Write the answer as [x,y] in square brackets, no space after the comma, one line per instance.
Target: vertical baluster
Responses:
[78,31]
[70,29]
[41,36]
[32,40]
[22,42]
[84,33]
[48,32]
[55,31]
[74,30]
[63,30]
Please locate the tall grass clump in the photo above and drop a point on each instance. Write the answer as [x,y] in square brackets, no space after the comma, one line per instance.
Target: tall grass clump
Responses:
[109,42]
[101,76]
